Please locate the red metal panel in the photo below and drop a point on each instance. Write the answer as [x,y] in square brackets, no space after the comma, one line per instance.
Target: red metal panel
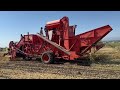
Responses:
[65,22]
[87,39]
[52,24]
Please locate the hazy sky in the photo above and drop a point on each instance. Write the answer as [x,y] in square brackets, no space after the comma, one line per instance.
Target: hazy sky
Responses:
[14,23]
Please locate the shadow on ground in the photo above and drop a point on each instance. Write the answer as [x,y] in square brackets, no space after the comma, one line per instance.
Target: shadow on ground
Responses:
[116,62]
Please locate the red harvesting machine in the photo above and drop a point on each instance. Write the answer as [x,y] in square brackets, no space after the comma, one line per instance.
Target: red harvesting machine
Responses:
[60,42]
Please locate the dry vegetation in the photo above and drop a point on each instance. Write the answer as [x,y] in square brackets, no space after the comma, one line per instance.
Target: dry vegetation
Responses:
[105,65]
[111,52]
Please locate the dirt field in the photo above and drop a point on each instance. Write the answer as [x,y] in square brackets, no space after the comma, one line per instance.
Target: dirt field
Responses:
[110,69]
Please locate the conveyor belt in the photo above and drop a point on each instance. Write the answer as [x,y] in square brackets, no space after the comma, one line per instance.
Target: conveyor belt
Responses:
[55,44]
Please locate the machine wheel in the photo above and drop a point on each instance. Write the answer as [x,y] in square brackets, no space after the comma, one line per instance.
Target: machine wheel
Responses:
[47,58]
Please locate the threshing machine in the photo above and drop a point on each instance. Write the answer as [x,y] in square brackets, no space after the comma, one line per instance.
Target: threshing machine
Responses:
[60,42]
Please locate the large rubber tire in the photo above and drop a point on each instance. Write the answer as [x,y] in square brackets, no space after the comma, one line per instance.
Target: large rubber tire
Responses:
[47,58]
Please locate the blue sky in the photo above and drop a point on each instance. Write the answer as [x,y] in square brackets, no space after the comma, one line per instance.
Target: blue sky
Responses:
[14,23]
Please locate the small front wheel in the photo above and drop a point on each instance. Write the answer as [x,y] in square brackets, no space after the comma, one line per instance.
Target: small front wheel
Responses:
[47,58]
